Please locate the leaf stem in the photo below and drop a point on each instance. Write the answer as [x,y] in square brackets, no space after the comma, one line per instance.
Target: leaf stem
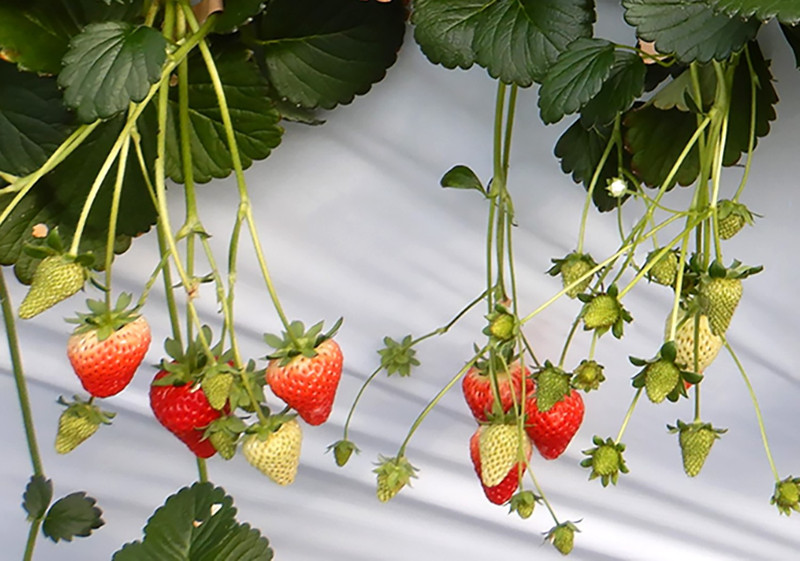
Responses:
[33,533]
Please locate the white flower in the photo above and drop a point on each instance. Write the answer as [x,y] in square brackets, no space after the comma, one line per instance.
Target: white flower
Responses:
[617,187]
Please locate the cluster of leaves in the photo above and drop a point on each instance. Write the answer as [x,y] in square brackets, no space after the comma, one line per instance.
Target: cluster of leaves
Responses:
[74,515]
[281,59]
[551,43]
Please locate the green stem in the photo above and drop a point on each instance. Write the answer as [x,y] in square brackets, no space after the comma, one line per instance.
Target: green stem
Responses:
[760,417]
[436,399]
[19,376]
[33,533]
[628,415]
[202,470]
[590,191]
[113,217]
[751,142]
[540,492]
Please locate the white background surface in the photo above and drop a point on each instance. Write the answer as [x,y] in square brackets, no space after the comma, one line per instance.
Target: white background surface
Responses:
[355,225]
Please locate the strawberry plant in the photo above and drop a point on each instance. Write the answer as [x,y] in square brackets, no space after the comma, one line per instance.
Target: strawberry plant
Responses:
[106,105]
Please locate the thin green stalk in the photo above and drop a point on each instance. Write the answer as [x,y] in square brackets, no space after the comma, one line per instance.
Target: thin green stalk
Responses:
[33,533]
[191,221]
[113,217]
[541,494]
[760,417]
[590,191]
[436,399]
[202,470]
[19,376]
[568,341]
[751,142]
[628,415]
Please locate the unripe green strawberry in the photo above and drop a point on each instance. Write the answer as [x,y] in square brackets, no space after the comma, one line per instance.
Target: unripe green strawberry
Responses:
[588,375]
[787,495]
[523,504]
[605,460]
[695,440]
[563,537]
[661,377]
[79,421]
[342,450]
[601,312]
[731,218]
[708,344]
[665,270]
[393,474]
[55,279]
[499,446]
[502,326]
[552,384]
[217,389]
[276,454]
[721,295]
[571,268]
[224,443]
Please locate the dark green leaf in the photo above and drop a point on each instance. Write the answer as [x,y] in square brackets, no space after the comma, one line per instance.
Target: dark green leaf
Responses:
[766,99]
[461,177]
[656,138]
[515,40]
[108,65]
[33,121]
[255,120]
[786,11]
[575,78]
[197,523]
[690,29]
[674,94]
[72,516]
[236,14]
[35,33]
[622,87]
[580,150]
[37,497]
[321,54]
[792,35]
[58,198]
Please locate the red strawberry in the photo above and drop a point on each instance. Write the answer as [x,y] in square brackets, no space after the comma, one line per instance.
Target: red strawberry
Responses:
[552,430]
[185,412]
[305,370]
[477,388]
[106,366]
[503,491]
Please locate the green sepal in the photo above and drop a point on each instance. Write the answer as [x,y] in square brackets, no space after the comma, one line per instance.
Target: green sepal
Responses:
[342,450]
[398,357]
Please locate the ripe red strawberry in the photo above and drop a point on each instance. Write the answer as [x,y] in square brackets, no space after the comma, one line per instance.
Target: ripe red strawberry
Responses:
[185,411]
[477,388]
[552,430]
[106,366]
[306,378]
[503,491]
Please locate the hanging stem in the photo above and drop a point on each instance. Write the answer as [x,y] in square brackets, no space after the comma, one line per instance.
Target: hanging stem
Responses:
[628,415]
[114,215]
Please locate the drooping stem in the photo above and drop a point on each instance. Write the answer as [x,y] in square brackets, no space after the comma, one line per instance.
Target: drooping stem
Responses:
[114,215]
[19,376]
[628,415]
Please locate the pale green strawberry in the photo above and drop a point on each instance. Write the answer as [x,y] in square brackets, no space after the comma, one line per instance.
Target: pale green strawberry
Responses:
[571,268]
[588,375]
[690,336]
[661,377]
[224,443]
[787,495]
[721,295]
[77,423]
[665,270]
[392,474]
[523,504]
[695,440]
[605,460]
[601,312]
[731,218]
[342,450]
[563,537]
[276,454]
[499,446]
[552,384]
[55,279]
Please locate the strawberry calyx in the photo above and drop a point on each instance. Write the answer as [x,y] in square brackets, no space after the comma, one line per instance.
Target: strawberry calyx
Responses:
[588,375]
[552,385]
[104,320]
[523,503]
[392,475]
[605,460]
[787,495]
[398,357]
[297,341]
[503,325]
[86,409]
[571,268]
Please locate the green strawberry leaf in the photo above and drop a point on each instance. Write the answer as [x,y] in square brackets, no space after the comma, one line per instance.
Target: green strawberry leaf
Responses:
[322,54]
[580,150]
[33,120]
[198,522]
[255,120]
[236,14]
[621,88]
[674,95]
[575,78]
[109,64]
[785,11]
[72,516]
[52,23]
[57,201]
[690,29]
[792,35]
[656,138]
[515,40]
[462,177]
[37,497]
